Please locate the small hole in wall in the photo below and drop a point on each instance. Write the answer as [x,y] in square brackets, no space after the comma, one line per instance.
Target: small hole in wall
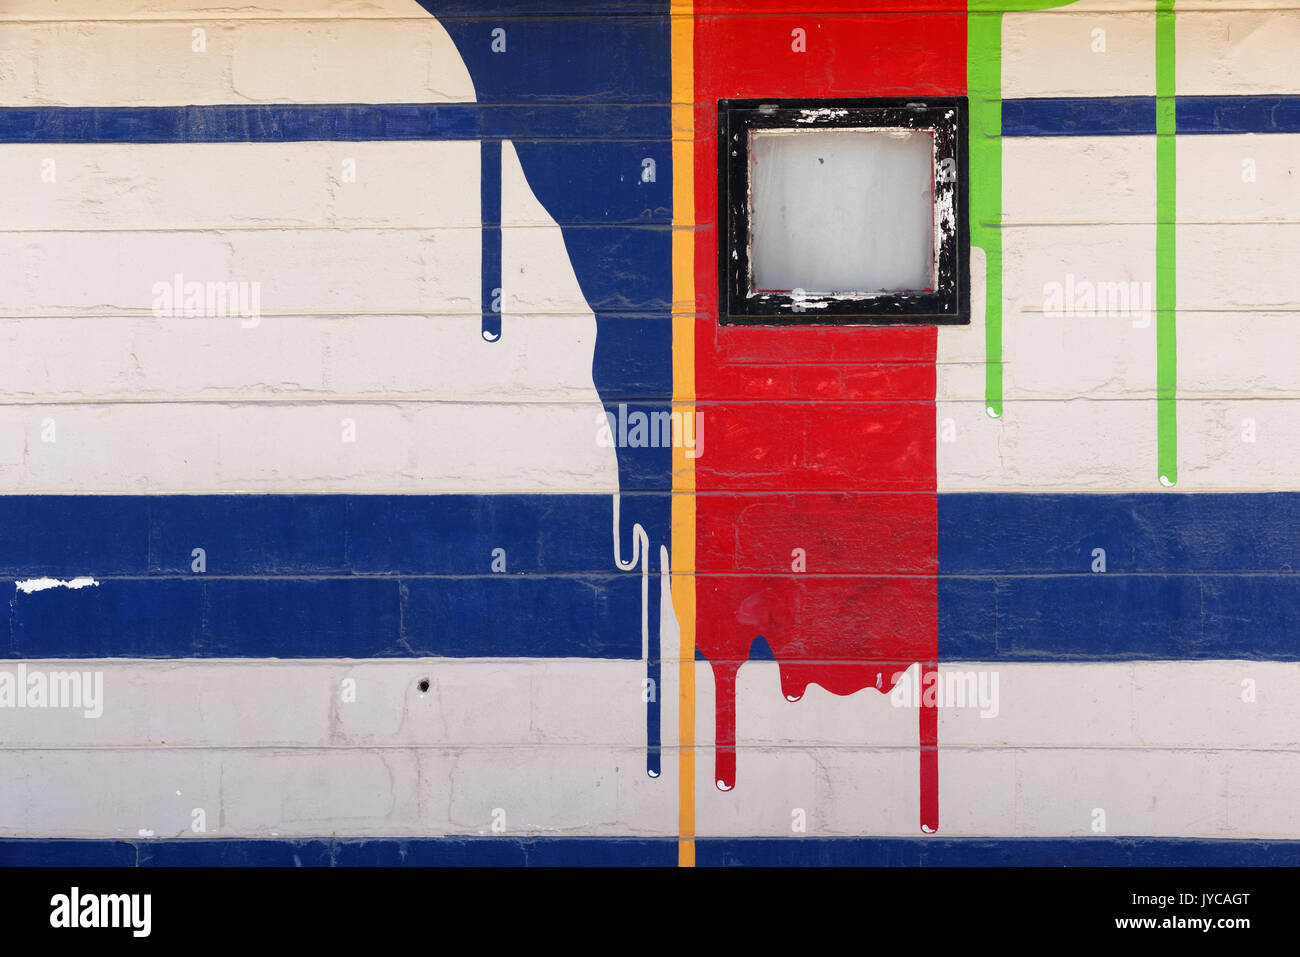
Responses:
[423,685]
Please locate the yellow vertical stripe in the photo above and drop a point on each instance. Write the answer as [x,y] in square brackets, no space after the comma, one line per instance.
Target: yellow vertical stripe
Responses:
[683,514]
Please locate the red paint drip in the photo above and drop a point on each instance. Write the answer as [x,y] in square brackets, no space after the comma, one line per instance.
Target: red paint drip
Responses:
[815,426]
[839,651]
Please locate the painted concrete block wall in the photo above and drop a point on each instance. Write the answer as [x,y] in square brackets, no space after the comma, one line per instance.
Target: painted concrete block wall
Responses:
[372,445]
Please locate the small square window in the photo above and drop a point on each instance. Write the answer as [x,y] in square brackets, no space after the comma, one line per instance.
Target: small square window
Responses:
[843,211]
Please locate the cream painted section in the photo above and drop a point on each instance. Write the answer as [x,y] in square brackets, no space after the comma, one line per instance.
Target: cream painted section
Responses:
[1165,748]
[1237,332]
[182,703]
[1010,793]
[1078,328]
[398,239]
[158,447]
[1048,445]
[388,316]
[1079,311]
[191,186]
[1214,184]
[270,748]
[68,10]
[1237,51]
[1238,444]
[1078,390]
[303,792]
[1079,412]
[341,358]
[299,272]
[1230,266]
[1079,180]
[1237,355]
[1068,739]
[1049,52]
[333,58]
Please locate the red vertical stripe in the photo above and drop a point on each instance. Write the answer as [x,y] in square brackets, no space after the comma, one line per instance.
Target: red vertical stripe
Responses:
[821,439]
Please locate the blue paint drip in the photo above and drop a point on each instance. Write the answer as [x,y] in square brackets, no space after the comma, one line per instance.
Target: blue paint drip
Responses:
[654,742]
[490,193]
[611,70]
[584,100]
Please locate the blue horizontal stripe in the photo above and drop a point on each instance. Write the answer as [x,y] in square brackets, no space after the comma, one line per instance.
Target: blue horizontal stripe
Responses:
[1186,577]
[492,616]
[662,852]
[1238,114]
[644,123]
[309,576]
[63,536]
[1079,116]
[1136,115]
[449,12]
[356,576]
[983,533]
[996,852]
[1119,618]
[280,123]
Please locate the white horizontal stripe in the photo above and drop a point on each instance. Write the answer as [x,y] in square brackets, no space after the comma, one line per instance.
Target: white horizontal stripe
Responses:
[1237,178]
[523,413]
[1050,53]
[1165,748]
[302,793]
[1112,179]
[396,447]
[107,63]
[296,358]
[188,703]
[174,9]
[297,272]
[1048,445]
[197,186]
[1234,51]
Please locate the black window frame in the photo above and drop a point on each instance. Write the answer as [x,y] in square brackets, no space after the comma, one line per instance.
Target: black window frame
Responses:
[949,302]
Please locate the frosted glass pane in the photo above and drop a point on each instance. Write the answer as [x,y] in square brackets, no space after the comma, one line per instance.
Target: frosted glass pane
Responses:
[839,211]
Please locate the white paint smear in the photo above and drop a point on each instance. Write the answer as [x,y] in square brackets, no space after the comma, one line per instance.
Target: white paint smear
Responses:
[29,585]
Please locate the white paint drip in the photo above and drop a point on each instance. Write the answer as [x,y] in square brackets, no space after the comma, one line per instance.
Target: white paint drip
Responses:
[29,585]
[641,555]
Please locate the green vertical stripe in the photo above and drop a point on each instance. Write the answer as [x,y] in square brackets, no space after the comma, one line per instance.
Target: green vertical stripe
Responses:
[1166,248]
[984,87]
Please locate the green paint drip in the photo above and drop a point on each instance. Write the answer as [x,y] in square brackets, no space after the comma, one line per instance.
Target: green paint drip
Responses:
[984,87]
[1166,248]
